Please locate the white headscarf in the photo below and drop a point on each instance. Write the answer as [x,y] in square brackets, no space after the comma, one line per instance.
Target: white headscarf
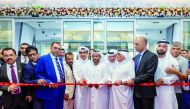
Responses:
[126,54]
[102,57]
[82,49]
[168,53]
[112,52]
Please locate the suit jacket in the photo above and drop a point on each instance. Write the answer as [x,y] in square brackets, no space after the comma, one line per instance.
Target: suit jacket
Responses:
[18,59]
[7,96]
[69,78]
[145,73]
[29,75]
[1,62]
[45,70]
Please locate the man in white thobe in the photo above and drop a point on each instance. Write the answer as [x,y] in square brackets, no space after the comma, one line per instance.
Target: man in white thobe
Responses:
[166,98]
[80,71]
[98,75]
[111,62]
[121,96]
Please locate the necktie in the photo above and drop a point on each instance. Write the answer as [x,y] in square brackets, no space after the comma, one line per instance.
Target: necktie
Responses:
[25,60]
[14,79]
[60,70]
[137,62]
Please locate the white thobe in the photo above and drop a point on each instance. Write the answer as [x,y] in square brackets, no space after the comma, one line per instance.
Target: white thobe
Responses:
[98,97]
[80,71]
[166,97]
[111,67]
[121,97]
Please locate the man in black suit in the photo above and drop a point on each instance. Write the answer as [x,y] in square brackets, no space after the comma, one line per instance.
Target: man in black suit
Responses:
[14,96]
[146,63]
[22,57]
[29,75]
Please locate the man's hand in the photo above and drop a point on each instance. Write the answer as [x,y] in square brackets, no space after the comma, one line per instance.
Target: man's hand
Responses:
[118,82]
[130,82]
[159,82]
[53,85]
[66,96]
[188,72]
[96,86]
[171,71]
[28,98]
[12,88]
[82,82]
[109,84]
[41,81]
[90,85]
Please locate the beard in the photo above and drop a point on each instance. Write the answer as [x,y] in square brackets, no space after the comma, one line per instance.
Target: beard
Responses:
[96,61]
[161,52]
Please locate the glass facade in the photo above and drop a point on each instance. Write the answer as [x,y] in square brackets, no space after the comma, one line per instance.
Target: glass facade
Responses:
[186,35]
[120,35]
[99,34]
[5,33]
[77,34]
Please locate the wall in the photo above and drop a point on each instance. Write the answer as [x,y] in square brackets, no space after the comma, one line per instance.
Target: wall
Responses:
[48,35]
[153,35]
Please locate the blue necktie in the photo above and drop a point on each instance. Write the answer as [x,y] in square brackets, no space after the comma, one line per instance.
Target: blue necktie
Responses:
[60,70]
[137,62]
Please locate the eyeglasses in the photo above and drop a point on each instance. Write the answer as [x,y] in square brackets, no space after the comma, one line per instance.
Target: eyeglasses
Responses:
[32,55]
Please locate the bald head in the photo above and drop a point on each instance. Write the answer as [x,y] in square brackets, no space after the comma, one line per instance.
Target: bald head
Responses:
[140,44]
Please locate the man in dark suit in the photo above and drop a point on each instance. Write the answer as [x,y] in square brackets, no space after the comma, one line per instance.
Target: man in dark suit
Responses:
[50,70]
[23,57]
[14,96]
[29,75]
[146,63]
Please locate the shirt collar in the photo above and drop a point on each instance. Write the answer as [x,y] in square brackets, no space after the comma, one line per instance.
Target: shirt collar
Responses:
[34,63]
[12,64]
[142,52]
[23,57]
[53,57]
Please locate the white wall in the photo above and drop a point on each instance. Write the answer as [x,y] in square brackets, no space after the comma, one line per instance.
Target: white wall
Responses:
[48,35]
[153,35]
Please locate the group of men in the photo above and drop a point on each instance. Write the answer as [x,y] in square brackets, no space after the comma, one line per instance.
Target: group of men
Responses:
[94,80]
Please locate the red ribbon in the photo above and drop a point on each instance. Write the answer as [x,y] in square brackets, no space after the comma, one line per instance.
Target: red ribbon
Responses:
[71,84]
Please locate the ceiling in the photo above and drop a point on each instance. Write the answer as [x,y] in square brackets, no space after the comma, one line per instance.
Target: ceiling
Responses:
[154,24]
[82,26]
[45,24]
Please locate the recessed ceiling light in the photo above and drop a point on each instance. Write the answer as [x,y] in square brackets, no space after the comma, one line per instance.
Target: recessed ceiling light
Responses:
[155,22]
